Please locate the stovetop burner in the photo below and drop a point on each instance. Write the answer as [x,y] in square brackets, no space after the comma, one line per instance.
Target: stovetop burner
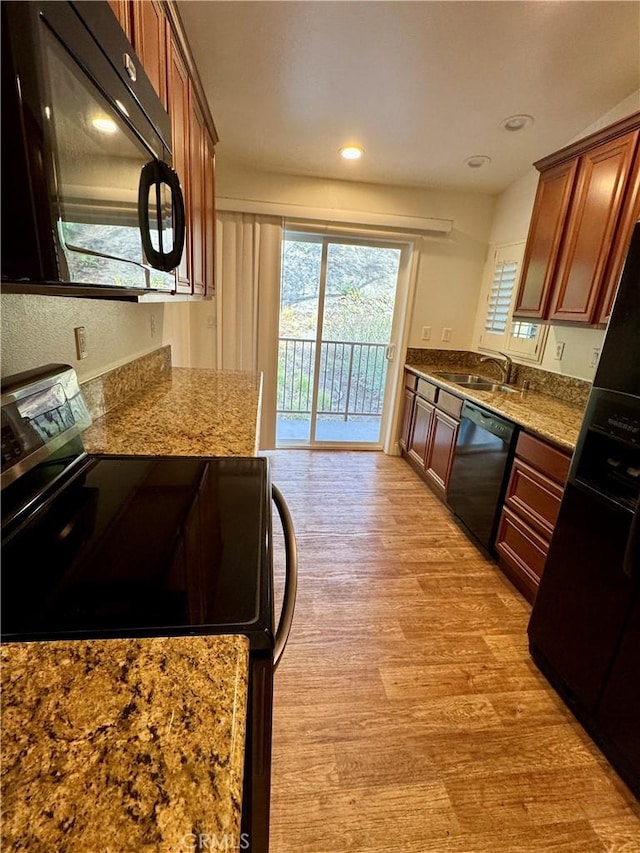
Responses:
[97,546]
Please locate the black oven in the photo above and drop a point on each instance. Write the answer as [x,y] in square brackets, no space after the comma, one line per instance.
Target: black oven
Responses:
[90,203]
[98,546]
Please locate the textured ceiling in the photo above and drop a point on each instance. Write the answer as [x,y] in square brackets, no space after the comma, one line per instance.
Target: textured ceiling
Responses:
[420,85]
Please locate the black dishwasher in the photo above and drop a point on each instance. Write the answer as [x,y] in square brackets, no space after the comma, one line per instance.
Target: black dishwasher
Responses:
[480,469]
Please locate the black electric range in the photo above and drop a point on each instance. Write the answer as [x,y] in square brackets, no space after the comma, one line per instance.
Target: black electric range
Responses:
[137,546]
[97,546]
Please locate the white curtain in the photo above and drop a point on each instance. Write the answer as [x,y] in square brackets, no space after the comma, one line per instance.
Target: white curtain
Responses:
[248,261]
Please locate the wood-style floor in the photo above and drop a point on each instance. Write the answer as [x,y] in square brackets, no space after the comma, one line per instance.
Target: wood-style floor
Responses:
[408,715]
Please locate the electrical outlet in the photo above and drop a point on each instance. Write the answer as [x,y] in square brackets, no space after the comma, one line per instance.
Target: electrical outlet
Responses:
[426,333]
[152,325]
[81,342]
[211,321]
[559,350]
[446,334]
[595,355]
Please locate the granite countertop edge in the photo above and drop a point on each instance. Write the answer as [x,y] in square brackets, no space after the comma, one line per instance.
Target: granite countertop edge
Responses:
[547,417]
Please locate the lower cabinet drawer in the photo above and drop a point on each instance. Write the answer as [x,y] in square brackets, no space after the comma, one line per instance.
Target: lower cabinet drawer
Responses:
[522,552]
[427,390]
[410,380]
[449,403]
[547,459]
[533,496]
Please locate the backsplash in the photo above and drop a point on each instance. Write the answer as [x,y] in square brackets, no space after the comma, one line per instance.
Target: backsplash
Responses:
[566,388]
[112,388]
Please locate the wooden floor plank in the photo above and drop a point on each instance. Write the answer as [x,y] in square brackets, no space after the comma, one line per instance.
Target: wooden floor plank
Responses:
[408,714]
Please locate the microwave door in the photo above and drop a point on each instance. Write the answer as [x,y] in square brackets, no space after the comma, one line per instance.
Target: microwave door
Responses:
[161,215]
[96,159]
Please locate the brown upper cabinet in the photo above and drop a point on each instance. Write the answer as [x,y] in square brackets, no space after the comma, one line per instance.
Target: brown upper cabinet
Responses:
[585,208]
[157,35]
[210,216]
[178,94]
[197,189]
[149,39]
[545,235]
[122,11]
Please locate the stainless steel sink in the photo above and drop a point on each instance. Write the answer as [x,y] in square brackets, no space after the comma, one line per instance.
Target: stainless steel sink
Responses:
[487,386]
[472,380]
[459,378]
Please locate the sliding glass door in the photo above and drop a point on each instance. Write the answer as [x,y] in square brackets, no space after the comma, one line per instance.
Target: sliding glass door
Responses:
[336,312]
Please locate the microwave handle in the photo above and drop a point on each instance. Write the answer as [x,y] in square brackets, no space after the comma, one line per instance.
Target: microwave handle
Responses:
[157,172]
[291,577]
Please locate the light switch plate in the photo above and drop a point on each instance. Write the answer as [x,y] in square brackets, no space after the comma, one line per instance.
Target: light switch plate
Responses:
[426,333]
[446,334]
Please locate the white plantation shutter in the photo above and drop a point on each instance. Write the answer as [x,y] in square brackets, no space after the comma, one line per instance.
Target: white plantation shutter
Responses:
[497,330]
[499,304]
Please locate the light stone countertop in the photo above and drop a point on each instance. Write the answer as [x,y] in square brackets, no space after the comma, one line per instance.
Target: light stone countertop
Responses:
[123,746]
[547,417]
[135,744]
[195,412]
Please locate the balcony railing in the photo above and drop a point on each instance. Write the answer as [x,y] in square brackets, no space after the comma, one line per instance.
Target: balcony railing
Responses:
[351,377]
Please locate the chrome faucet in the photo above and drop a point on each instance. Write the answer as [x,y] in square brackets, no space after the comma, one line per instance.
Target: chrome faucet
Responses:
[504,367]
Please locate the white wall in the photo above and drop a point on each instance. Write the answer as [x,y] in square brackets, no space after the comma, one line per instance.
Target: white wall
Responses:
[511,224]
[37,330]
[450,269]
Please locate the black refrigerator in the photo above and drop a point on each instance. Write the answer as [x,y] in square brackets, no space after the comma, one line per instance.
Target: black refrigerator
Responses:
[584,632]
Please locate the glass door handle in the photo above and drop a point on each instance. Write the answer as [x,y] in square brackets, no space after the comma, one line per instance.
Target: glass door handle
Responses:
[291,577]
[390,352]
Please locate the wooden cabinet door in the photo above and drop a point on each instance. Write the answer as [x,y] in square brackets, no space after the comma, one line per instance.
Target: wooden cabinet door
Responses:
[149,39]
[209,218]
[407,414]
[630,215]
[543,243]
[421,431]
[122,11]
[178,97]
[443,441]
[197,189]
[600,187]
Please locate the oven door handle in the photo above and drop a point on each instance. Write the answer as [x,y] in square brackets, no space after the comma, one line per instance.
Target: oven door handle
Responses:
[291,577]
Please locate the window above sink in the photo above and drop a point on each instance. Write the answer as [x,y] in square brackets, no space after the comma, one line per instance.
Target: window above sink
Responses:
[498,330]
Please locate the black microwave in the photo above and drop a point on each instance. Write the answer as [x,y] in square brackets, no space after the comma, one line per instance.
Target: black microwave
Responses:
[90,203]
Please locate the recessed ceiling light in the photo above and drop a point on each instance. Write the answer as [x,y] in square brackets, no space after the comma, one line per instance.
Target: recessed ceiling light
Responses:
[514,123]
[352,152]
[104,125]
[477,161]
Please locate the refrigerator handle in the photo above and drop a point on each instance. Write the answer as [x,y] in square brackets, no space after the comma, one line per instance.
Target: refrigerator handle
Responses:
[631,560]
[291,577]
